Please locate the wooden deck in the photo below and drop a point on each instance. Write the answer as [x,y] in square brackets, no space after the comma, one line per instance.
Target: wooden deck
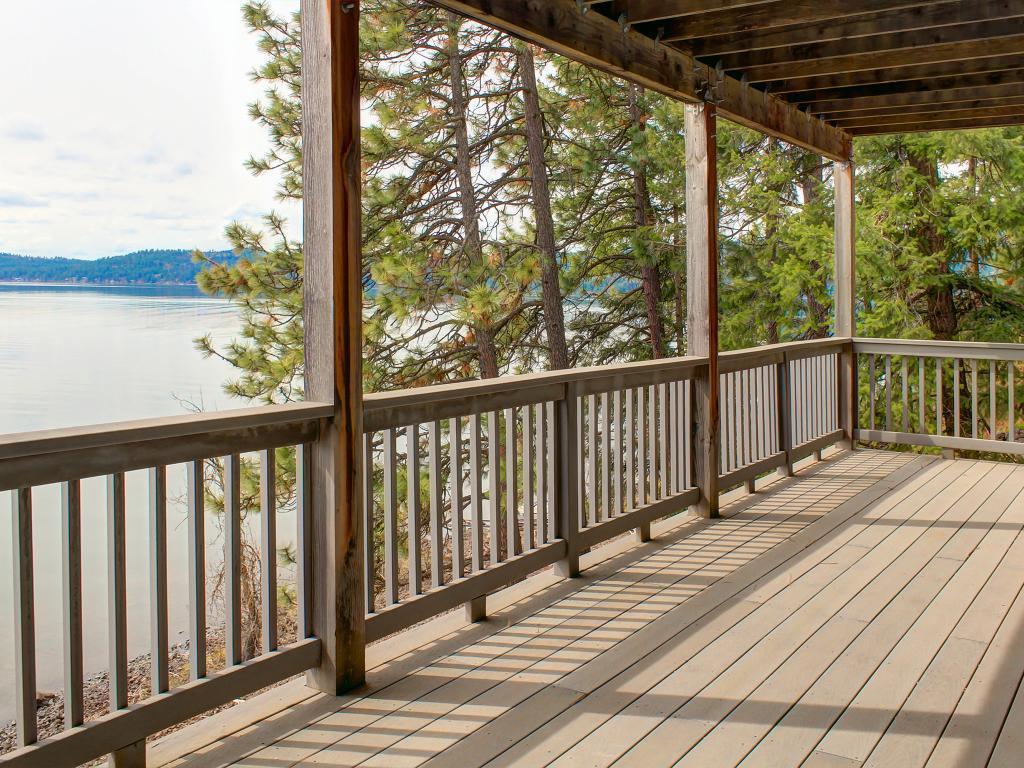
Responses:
[867,612]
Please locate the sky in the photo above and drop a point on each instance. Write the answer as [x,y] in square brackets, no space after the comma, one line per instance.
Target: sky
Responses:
[124,125]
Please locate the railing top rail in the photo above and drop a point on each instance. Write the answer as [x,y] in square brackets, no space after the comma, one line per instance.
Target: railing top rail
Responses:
[980,350]
[56,455]
[767,354]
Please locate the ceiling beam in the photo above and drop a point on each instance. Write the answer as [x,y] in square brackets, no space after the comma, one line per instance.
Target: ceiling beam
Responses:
[639,11]
[900,20]
[954,105]
[1013,85]
[987,28]
[1012,42]
[898,79]
[598,41]
[777,14]
[948,125]
[922,118]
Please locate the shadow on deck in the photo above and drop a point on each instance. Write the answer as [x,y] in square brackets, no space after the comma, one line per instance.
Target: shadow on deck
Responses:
[866,612]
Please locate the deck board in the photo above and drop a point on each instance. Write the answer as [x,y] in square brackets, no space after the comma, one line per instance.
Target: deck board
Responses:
[867,612]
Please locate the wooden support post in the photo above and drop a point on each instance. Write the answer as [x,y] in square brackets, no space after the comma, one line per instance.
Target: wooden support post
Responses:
[567,462]
[702,295]
[476,609]
[845,296]
[332,317]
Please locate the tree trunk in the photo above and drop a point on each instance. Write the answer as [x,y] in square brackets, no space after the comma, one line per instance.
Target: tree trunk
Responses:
[472,244]
[649,273]
[551,291]
[941,312]
[810,185]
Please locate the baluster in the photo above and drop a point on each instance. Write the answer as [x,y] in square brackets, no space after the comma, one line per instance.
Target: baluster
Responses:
[904,387]
[455,492]
[436,498]
[268,551]
[369,548]
[974,399]
[938,395]
[158,579]
[641,461]
[1011,415]
[652,443]
[956,397]
[630,446]
[476,515]
[618,450]
[117,606]
[511,485]
[606,459]
[871,386]
[726,423]
[196,505]
[412,508]
[662,422]
[543,532]
[888,393]
[494,486]
[233,559]
[590,515]
[390,518]
[304,542]
[552,457]
[71,583]
[992,385]
[922,395]
[673,434]
[687,433]
[528,502]
[24,617]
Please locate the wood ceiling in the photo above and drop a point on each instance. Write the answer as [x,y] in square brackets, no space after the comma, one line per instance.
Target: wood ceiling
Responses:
[813,72]
[866,66]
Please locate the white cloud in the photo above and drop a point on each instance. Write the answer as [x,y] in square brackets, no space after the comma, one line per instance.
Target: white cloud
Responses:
[144,105]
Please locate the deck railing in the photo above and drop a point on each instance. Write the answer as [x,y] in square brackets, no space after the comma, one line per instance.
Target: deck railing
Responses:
[468,487]
[952,395]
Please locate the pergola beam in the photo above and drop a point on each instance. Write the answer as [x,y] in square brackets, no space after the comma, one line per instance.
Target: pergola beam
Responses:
[950,125]
[598,41]
[938,115]
[1012,94]
[640,11]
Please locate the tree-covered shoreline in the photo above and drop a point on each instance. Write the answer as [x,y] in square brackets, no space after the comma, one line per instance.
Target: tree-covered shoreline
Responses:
[145,267]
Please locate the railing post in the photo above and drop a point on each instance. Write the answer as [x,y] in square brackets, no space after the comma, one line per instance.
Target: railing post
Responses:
[567,461]
[702,296]
[845,295]
[332,295]
[783,399]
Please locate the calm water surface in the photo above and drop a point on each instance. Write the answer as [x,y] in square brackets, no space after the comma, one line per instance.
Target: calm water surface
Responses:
[72,355]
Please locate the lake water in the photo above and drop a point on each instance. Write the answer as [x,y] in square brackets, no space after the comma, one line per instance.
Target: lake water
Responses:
[74,355]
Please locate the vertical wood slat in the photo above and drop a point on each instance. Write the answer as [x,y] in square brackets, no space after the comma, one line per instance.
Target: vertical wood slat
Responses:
[956,397]
[511,484]
[1011,414]
[529,505]
[475,496]
[921,395]
[543,531]
[938,396]
[196,511]
[618,451]
[553,457]
[652,442]
[888,393]
[71,593]
[872,386]
[974,399]
[591,507]
[24,617]
[992,391]
[629,443]
[606,459]
[117,606]
[304,544]
[233,560]
[904,389]
[455,494]
[436,496]
[673,437]
[369,527]
[412,508]
[159,677]
[641,462]
[663,439]
[494,486]
[390,518]
[268,549]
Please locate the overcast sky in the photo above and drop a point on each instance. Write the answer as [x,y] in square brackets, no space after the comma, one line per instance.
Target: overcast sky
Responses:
[123,126]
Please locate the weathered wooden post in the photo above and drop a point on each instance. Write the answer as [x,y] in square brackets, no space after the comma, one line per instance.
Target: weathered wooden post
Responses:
[845,295]
[702,294]
[565,443]
[332,317]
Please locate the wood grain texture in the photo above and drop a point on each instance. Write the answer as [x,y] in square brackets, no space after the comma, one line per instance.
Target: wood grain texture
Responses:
[702,295]
[332,293]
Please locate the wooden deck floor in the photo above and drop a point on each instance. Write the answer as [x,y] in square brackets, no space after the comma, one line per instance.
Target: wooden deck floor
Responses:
[868,612]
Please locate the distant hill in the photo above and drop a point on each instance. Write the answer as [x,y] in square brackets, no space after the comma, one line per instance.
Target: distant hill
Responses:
[159,267]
